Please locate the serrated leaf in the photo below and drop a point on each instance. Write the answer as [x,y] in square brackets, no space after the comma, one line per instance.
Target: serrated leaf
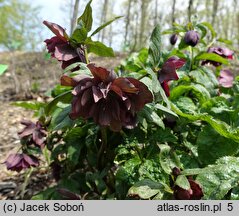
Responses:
[3,69]
[182,182]
[86,17]
[99,48]
[146,189]
[217,179]
[211,57]
[155,47]
[104,25]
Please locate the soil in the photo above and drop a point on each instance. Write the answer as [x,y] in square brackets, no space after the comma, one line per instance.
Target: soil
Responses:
[28,77]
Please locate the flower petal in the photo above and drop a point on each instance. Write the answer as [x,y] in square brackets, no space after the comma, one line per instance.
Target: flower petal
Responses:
[142,97]
[65,52]
[97,94]
[101,74]
[226,78]
[197,190]
[57,30]
[12,160]
[166,88]
[31,160]
[125,85]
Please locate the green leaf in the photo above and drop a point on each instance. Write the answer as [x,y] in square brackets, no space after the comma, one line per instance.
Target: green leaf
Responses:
[211,146]
[45,195]
[146,189]
[221,127]
[99,48]
[203,30]
[65,97]
[209,26]
[186,104]
[225,41]
[182,182]
[74,144]
[60,119]
[79,35]
[182,44]
[198,91]
[104,25]
[152,116]
[211,57]
[156,87]
[86,17]
[207,78]
[167,160]
[29,104]
[217,179]
[3,69]
[155,47]
[165,109]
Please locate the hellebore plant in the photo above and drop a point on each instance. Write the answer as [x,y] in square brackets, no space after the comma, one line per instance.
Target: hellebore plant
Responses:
[127,133]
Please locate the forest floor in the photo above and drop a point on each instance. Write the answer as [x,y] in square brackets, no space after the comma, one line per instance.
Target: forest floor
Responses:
[31,74]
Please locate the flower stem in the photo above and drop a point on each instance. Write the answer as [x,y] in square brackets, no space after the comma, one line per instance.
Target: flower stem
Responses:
[86,55]
[191,62]
[26,181]
[103,147]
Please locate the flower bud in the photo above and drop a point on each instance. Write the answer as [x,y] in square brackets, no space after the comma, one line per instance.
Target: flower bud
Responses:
[191,38]
[173,39]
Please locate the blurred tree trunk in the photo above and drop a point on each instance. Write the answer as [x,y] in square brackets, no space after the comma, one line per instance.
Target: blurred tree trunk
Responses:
[103,19]
[214,11]
[127,24]
[143,19]
[74,15]
[156,13]
[190,5]
[135,29]
[17,84]
[173,12]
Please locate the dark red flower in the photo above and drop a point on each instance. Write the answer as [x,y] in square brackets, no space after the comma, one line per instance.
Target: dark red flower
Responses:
[194,193]
[191,38]
[168,72]
[173,39]
[18,162]
[223,52]
[225,78]
[109,100]
[33,133]
[60,48]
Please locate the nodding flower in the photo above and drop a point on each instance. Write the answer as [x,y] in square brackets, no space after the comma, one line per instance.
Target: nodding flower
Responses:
[173,39]
[191,38]
[18,162]
[223,52]
[168,72]
[60,48]
[107,99]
